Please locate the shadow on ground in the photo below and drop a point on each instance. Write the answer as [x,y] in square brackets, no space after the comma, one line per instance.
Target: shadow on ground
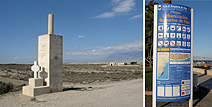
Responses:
[200,94]
[207,84]
[77,89]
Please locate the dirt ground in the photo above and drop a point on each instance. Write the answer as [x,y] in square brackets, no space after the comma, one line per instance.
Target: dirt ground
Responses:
[106,94]
[85,85]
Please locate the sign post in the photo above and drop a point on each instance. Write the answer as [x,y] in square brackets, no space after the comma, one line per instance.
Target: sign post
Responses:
[173,53]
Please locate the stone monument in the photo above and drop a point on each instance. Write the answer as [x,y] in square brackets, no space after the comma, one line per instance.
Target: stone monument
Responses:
[48,70]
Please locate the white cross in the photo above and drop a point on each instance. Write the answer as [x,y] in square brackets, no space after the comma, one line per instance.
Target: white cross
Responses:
[35,68]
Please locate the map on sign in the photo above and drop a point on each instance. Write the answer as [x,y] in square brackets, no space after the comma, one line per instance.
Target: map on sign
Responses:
[163,66]
[180,58]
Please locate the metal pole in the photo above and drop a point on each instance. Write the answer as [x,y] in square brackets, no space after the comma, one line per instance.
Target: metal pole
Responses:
[191,95]
[154,57]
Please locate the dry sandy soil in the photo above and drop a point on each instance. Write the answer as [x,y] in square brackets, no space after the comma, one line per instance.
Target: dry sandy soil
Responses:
[73,73]
[107,94]
[85,85]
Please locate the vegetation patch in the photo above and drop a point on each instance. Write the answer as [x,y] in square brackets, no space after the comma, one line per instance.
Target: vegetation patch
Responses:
[5,87]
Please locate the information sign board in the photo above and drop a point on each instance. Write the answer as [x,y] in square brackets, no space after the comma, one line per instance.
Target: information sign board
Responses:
[172,52]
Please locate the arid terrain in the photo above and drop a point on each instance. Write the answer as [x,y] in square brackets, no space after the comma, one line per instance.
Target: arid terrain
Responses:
[93,83]
[18,74]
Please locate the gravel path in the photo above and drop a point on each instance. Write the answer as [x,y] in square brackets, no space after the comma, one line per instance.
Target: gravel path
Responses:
[111,94]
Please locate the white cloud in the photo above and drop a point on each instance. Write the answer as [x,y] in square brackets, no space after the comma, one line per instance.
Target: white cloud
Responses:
[124,6]
[106,15]
[81,36]
[23,58]
[136,17]
[115,1]
[106,50]
[121,6]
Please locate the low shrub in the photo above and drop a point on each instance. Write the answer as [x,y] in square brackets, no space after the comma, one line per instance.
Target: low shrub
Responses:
[5,87]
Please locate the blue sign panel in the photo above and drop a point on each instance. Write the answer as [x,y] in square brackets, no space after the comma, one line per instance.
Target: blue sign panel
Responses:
[173,55]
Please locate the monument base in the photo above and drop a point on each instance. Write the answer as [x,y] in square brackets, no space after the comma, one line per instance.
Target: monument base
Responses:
[35,91]
[35,82]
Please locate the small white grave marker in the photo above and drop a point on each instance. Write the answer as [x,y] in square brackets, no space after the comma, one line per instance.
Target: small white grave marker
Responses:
[35,68]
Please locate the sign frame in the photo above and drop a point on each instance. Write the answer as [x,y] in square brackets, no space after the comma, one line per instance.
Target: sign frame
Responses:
[155,56]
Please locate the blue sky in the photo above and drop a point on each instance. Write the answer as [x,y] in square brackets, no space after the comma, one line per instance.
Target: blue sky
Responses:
[202,25]
[90,28]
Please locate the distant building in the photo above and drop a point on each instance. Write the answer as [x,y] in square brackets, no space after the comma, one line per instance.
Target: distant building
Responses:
[117,63]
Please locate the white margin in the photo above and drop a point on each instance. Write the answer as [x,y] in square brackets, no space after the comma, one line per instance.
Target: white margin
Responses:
[154,56]
[191,94]
[144,53]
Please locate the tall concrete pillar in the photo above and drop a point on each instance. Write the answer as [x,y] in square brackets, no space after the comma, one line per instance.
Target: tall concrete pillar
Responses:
[51,24]
[50,56]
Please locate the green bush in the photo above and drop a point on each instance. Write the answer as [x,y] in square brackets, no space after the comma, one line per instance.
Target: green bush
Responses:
[133,63]
[5,87]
